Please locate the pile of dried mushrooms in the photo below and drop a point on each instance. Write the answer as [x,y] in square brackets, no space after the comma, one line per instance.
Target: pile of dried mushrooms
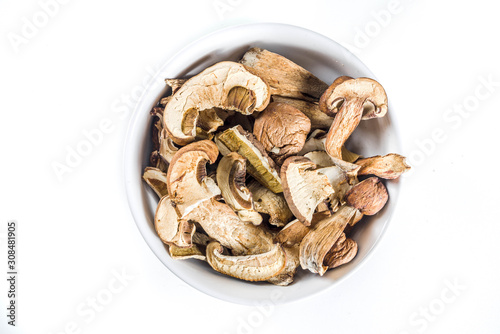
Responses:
[251,169]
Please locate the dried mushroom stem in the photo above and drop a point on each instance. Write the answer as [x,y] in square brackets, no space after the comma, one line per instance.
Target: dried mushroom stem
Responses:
[267,202]
[390,166]
[257,267]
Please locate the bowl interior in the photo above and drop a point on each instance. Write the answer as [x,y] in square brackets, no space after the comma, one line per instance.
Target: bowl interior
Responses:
[324,58]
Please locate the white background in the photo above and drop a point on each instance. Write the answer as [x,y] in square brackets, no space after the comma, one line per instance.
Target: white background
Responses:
[76,231]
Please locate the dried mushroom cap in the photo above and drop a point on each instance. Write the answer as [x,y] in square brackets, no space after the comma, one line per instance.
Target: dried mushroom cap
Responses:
[259,164]
[351,100]
[225,85]
[180,253]
[170,229]
[304,187]
[341,253]
[231,174]
[319,120]
[187,180]
[285,78]
[272,204]
[282,129]
[368,196]
[157,180]
[390,166]
[318,242]
[220,222]
[256,267]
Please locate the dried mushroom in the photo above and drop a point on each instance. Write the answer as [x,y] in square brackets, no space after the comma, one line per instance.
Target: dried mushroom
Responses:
[170,228]
[157,180]
[225,85]
[319,120]
[259,164]
[282,130]
[350,100]
[270,203]
[390,166]
[368,196]
[181,253]
[231,174]
[342,252]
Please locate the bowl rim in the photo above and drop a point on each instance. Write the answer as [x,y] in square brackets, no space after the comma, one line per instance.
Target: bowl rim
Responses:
[137,210]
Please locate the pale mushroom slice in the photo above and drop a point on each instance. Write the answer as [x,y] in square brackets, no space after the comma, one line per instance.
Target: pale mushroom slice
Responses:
[221,223]
[157,180]
[286,276]
[282,129]
[304,187]
[231,173]
[175,84]
[272,204]
[259,164]
[319,120]
[390,166]
[167,147]
[369,196]
[169,228]
[316,142]
[256,267]
[226,85]
[182,253]
[293,233]
[318,242]
[342,252]
[285,78]
[187,180]
[350,100]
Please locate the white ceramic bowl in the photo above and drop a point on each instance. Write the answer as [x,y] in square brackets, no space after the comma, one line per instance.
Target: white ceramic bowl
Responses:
[327,60]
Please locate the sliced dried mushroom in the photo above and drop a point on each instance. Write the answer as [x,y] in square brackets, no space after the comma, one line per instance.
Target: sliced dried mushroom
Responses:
[350,100]
[231,173]
[155,159]
[225,85]
[170,229]
[284,77]
[180,253]
[304,187]
[157,180]
[318,242]
[341,253]
[293,233]
[270,203]
[175,84]
[316,142]
[282,129]
[167,147]
[209,120]
[368,196]
[286,276]
[187,180]
[319,120]
[390,166]
[257,267]
[259,164]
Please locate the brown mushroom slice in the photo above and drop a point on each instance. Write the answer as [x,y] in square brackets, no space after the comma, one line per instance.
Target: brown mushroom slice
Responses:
[368,196]
[318,242]
[293,233]
[231,173]
[285,78]
[319,120]
[167,147]
[180,253]
[221,223]
[256,267]
[341,253]
[390,166]
[169,228]
[351,100]
[286,276]
[226,85]
[157,180]
[304,187]
[282,129]
[267,202]
[187,179]
[259,164]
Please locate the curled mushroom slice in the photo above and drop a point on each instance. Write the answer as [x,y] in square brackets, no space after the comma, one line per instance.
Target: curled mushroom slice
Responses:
[231,174]
[318,242]
[272,204]
[220,222]
[157,180]
[284,77]
[187,180]
[341,253]
[304,187]
[319,120]
[181,253]
[390,166]
[167,147]
[368,196]
[169,228]
[282,130]
[286,276]
[257,267]
[225,85]
[351,100]
[259,164]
